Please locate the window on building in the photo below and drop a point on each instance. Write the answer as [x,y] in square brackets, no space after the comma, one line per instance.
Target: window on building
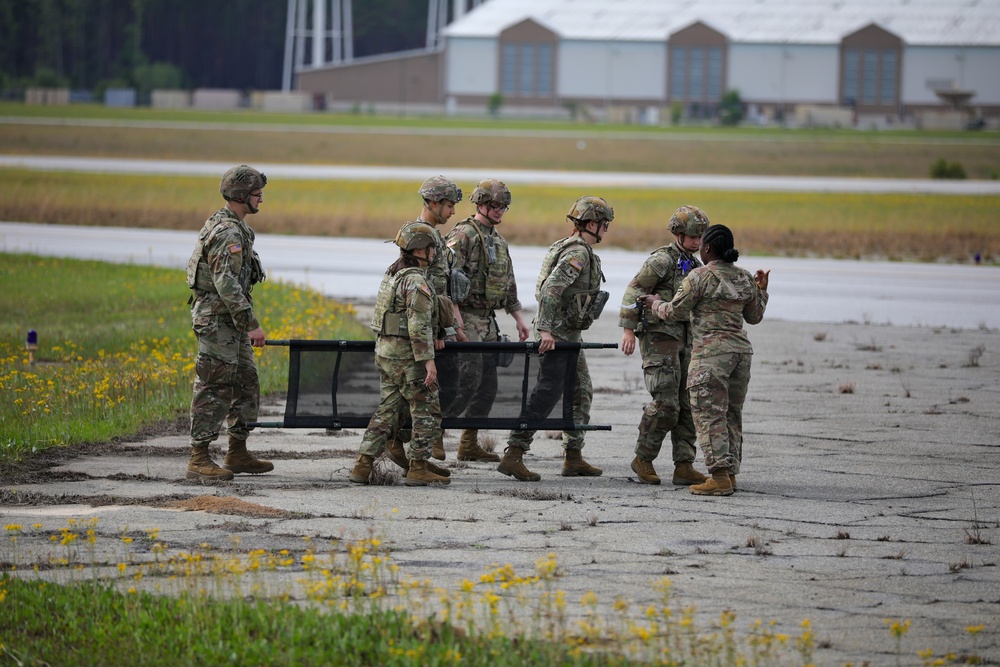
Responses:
[526,69]
[696,74]
[870,77]
[678,60]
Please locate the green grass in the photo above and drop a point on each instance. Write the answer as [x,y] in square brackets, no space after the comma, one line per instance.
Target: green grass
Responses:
[116,350]
[894,226]
[441,143]
[93,624]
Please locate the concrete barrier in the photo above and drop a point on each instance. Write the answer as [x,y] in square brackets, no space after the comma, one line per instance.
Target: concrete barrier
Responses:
[170,99]
[48,96]
[218,99]
[281,102]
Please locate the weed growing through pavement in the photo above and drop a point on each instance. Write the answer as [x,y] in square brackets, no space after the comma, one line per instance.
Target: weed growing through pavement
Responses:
[975,354]
[846,388]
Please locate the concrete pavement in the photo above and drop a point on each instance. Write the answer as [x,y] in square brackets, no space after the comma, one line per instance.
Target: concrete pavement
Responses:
[871,455]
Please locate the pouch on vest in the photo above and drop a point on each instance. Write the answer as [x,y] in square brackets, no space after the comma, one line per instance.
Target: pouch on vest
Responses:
[460,286]
[505,358]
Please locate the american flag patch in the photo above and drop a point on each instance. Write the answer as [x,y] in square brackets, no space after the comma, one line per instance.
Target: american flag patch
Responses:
[576,263]
[425,290]
[236,247]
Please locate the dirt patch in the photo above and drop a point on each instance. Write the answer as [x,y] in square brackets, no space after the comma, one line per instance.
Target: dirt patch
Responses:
[228,505]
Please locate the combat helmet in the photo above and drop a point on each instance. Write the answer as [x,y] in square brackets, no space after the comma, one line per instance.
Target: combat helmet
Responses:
[415,235]
[437,188]
[689,221]
[238,182]
[491,191]
[590,209]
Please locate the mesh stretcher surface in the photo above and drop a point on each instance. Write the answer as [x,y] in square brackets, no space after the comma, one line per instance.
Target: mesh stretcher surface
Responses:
[335,384]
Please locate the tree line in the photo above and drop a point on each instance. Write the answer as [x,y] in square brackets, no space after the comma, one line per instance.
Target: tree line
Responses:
[95,44]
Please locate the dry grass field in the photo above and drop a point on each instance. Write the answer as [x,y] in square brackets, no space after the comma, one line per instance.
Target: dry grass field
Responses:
[904,227]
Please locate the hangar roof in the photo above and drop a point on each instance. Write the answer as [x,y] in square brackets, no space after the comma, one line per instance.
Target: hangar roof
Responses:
[918,22]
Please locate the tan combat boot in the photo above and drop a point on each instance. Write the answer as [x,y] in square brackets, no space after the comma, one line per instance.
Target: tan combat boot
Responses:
[437,449]
[203,468]
[238,459]
[575,466]
[716,485]
[397,454]
[732,480]
[362,469]
[419,475]
[645,471]
[512,466]
[469,449]
[686,475]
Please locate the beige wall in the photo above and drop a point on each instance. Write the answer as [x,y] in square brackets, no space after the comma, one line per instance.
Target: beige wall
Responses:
[402,79]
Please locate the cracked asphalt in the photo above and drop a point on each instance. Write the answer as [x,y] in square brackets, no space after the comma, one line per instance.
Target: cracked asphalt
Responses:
[871,469]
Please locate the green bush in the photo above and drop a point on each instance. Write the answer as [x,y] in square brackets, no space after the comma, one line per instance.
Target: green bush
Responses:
[731,108]
[494,104]
[944,169]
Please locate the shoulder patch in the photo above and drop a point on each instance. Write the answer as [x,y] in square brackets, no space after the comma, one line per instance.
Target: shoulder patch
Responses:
[452,242]
[235,248]
[426,290]
[576,263]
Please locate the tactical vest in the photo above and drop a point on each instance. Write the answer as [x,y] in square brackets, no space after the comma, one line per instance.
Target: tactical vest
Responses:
[199,273]
[390,309]
[584,303]
[495,269]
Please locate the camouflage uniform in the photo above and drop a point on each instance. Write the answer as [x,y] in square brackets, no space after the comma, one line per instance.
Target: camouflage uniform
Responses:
[405,322]
[437,276]
[571,272]
[666,352]
[221,272]
[718,298]
[481,254]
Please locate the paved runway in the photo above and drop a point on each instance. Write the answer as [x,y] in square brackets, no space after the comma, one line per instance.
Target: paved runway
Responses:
[802,290]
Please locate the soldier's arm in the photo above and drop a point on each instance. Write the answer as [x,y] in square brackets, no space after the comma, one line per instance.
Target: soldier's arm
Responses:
[679,309]
[459,245]
[512,305]
[643,283]
[420,305]
[753,310]
[569,267]
[225,257]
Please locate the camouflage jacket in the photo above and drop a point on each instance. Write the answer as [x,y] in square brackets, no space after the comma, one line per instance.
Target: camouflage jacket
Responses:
[661,274]
[223,269]
[717,297]
[404,316]
[570,270]
[481,253]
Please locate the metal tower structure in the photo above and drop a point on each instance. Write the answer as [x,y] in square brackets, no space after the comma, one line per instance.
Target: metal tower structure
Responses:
[323,31]
[325,27]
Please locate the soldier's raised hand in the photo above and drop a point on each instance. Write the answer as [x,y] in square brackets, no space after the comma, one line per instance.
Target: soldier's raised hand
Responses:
[761,278]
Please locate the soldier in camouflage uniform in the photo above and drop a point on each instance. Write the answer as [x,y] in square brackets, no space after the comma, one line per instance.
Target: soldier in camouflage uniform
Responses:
[666,352]
[718,298]
[482,272]
[405,322]
[439,195]
[569,300]
[221,273]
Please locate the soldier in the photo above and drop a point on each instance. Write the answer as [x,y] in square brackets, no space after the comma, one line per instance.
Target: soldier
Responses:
[717,298]
[569,300]
[221,274]
[666,352]
[482,281]
[405,321]
[439,196]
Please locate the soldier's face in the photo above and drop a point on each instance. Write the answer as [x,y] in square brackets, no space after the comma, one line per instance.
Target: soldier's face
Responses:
[689,244]
[444,209]
[494,212]
[253,203]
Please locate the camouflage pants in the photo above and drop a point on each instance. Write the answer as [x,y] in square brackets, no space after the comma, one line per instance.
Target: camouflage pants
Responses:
[402,389]
[477,373]
[718,387]
[552,373]
[665,367]
[226,385]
